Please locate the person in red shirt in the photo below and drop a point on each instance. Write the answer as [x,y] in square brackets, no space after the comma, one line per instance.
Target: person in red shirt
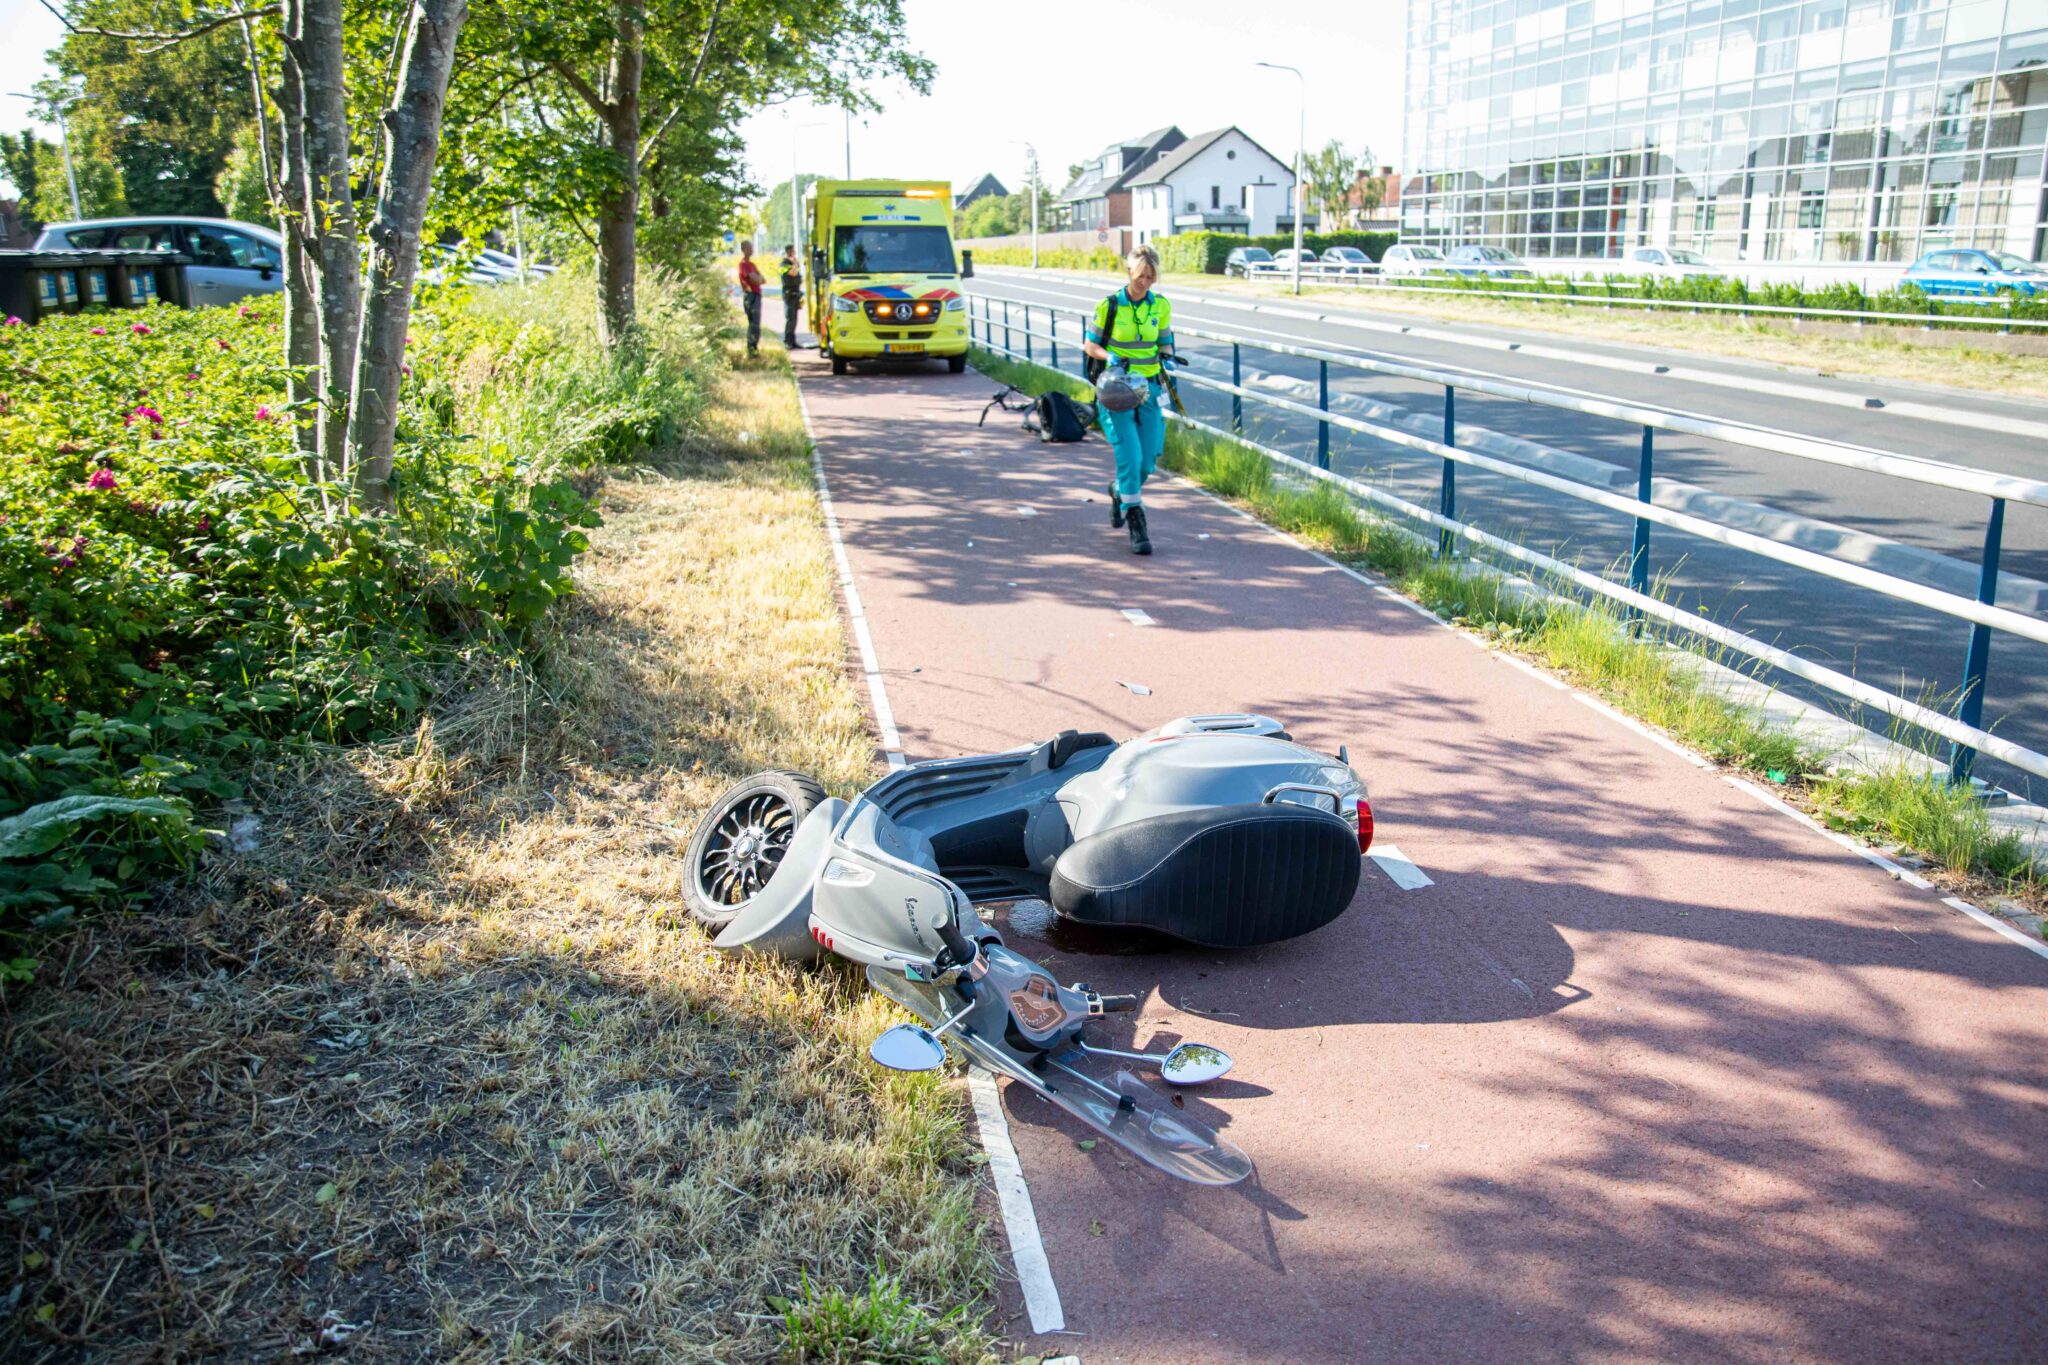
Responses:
[750,295]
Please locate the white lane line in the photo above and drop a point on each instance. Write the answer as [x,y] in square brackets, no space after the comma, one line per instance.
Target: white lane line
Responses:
[1997,925]
[864,643]
[1395,864]
[1034,1272]
[1868,855]
[1020,1221]
[1138,618]
[1661,741]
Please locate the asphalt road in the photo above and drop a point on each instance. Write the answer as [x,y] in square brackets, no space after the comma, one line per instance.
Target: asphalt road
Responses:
[1650,1071]
[1906,649]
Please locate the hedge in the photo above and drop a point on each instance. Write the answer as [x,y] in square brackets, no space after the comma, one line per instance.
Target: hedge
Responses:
[1205,252]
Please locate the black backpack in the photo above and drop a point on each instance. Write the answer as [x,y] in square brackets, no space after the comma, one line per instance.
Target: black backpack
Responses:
[1056,417]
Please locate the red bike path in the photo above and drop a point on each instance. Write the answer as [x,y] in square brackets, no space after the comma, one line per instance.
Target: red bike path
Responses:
[1651,1071]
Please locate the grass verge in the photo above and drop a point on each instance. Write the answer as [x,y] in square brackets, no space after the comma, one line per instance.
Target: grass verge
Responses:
[434,1068]
[1647,673]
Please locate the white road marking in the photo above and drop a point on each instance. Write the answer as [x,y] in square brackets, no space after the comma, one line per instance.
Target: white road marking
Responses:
[1138,618]
[1956,415]
[1027,1248]
[1997,925]
[1020,1221]
[1661,741]
[1026,510]
[1395,864]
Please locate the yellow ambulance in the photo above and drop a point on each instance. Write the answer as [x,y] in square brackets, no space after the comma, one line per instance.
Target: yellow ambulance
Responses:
[884,282]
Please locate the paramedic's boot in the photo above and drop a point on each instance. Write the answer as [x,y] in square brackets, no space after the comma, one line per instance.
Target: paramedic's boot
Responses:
[1116,507]
[1134,517]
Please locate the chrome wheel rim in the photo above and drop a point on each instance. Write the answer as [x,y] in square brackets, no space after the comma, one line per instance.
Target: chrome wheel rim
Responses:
[746,846]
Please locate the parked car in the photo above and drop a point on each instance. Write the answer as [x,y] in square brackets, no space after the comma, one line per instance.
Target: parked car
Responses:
[506,262]
[1490,262]
[1242,258]
[230,260]
[1979,274]
[1414,260]
[1345,260]
[1671,263]
[1285,260]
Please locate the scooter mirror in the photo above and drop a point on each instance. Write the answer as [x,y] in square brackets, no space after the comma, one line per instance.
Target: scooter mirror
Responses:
[1190,1064]
[910,1048]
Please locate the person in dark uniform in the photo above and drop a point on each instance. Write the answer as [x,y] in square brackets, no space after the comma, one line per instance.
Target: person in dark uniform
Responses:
[792,295]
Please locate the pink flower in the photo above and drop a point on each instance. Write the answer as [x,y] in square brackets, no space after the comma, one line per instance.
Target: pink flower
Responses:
[142,329]
[205,525]
[103,480]
[191,375]
[99,331]
[144,412]
[222,344]
[13,321]
[245,312]
[263,412]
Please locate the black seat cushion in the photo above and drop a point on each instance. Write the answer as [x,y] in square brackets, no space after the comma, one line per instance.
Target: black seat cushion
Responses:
[1222,876]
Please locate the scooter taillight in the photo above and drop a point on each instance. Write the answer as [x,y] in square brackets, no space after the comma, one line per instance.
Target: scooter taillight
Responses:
[1364,825]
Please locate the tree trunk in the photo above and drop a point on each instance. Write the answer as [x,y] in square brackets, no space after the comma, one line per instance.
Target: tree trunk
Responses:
[301,312]
[313,27]
[412,137]
[618,212]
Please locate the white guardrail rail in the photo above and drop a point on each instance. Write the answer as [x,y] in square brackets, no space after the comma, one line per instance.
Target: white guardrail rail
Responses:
[1002,334]
[1986,312]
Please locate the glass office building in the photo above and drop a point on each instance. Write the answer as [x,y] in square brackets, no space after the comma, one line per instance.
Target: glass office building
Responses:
[1748,130]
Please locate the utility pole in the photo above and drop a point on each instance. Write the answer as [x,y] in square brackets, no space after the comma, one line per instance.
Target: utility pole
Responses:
[847,113]
[1300,143]
[1031,173]
[58,106]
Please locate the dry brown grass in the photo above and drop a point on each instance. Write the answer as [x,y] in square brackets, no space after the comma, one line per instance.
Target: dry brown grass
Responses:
[439,1060]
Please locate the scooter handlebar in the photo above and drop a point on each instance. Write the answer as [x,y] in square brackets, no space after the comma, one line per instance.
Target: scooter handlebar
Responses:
[1119,1004]
[957,943]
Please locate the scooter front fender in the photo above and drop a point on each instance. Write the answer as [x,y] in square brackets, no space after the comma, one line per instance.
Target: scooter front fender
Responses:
[778,919]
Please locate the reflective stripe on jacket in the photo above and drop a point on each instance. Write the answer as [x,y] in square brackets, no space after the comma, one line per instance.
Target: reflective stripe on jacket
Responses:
[1141,330]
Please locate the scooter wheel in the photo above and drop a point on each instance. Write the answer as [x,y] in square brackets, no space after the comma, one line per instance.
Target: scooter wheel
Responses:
[741,841]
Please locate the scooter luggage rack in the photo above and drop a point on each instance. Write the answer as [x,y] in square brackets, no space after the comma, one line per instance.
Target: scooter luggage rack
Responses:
[1130,1113]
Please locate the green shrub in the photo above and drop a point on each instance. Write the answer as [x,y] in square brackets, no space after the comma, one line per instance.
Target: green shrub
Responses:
[1373,244]
[179,596]
[1050,258]
[1197,253]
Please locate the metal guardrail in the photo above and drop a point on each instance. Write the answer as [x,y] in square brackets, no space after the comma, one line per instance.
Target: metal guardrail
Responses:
[1359,277]
[1964,729]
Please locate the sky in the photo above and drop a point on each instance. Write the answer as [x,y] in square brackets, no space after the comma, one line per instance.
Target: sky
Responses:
[1070,76]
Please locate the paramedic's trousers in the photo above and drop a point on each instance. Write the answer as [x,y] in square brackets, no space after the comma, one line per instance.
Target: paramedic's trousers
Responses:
[1137,437]
[791,305]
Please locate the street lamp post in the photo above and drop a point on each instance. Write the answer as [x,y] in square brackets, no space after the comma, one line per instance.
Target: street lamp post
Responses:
[64,141]
[1300,143]
[1031,173]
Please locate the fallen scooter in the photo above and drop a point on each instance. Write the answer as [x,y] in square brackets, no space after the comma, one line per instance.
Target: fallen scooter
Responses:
[1218,830]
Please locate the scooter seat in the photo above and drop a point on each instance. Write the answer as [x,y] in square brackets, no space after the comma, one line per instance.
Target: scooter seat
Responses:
[1221,876]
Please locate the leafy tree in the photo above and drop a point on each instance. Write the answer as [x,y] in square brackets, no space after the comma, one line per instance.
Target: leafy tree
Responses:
[19,156]
[619,115]
[1329,174]
[996,215]
[242,187]
[168,114]
[1372,190]
[776,227]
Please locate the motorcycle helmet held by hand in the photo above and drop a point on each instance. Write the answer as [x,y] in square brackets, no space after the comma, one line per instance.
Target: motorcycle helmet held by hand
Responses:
[1116,391]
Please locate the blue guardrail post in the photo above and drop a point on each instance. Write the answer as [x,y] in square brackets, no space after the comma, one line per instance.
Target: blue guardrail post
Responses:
[1447,501]
[1962,756]
[1323,423]
[1052,334]
[1009,344]
[1027,331]
[1236,382]
[1639,554]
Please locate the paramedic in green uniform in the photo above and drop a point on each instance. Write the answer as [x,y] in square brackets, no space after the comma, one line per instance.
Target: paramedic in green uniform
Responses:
[1141,338]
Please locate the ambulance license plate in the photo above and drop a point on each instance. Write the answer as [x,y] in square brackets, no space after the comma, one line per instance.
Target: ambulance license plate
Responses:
[902,348]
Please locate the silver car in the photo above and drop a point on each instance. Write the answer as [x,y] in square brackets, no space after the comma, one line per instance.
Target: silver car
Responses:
[230,260]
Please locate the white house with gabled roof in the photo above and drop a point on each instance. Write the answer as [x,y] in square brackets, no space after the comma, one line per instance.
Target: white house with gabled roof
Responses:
[1218,181]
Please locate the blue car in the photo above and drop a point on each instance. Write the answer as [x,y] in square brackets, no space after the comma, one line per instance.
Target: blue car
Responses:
[1979,274]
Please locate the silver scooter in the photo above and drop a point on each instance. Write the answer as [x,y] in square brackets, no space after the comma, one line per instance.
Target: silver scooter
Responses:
[1219,830]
